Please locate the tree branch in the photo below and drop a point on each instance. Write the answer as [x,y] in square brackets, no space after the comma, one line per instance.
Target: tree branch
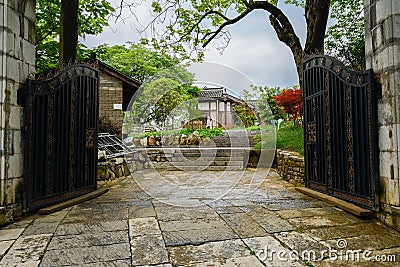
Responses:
[226,23]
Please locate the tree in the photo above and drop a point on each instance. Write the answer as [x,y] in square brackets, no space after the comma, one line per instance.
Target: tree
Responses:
[291,103]
[199,22]
[92,17]
[68,31]
[266,104]
[345,39]
[245,114]
[164,97]
[139,62]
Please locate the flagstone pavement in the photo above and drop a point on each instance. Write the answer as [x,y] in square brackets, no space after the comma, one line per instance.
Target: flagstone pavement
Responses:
[173,218]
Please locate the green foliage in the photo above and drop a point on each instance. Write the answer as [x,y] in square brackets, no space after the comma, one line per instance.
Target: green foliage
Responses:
[137,61]
[203,133]
[345,39]
[253,128]
[267,138]
[166,98]
[266,104]
[193,24]
[246,115]
[92,18]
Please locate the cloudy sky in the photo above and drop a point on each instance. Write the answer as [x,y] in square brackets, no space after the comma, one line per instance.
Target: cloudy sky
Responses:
[254,50]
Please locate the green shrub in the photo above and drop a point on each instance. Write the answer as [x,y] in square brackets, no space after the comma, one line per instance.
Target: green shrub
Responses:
[253,128]
[202,132]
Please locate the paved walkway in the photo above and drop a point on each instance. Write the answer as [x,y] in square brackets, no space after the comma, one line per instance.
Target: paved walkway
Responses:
[199,219]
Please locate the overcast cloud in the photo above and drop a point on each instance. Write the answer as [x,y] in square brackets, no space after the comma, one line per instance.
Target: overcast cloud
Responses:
[254,49]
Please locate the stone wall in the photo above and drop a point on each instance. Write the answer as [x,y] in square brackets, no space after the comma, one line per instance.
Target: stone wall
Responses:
[290,166]
[17,61]
[138,160]
[111,93]
[111,170]
[382,28]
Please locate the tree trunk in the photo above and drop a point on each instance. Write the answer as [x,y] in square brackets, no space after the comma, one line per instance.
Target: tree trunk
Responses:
[317,13]
[68,31]
[286,34]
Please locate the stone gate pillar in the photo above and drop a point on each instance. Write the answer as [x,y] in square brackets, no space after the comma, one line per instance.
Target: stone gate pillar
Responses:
[382,31]
[17,61]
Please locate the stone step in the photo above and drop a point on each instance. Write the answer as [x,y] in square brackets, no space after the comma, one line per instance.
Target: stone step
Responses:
[205,168]
[206,155]
[183,158]
[205,163]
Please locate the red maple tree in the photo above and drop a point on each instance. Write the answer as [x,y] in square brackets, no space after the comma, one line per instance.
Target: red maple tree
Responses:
[290,100]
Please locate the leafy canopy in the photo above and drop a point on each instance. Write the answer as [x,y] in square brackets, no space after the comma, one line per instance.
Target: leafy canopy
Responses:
[166,98]
[346,39]
[291,103]
[135,60]
[92,18]
[266,104]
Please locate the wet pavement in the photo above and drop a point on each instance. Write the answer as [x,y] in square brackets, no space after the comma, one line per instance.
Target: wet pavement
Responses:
[172,218]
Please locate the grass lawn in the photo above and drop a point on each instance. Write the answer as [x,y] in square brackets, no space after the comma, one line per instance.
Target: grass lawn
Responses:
[287,137]
[290,137]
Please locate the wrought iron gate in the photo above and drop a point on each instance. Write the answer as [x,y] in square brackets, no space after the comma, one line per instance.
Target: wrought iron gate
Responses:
[340,129]
[61,121]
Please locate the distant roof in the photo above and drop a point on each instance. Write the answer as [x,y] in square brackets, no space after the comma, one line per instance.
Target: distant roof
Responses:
[212,92]
[119,75]
[219,93]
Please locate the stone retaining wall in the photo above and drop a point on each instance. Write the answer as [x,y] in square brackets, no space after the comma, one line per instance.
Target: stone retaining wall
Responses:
[112,169]
[17,62]
[290,166]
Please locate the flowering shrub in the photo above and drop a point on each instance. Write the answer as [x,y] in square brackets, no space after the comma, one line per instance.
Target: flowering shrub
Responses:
[290,101]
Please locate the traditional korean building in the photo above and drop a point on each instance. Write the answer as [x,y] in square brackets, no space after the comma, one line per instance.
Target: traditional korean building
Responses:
[218,103]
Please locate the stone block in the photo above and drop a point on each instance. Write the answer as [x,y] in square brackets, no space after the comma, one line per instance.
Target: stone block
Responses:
[13,21]
[15,117]
[10,44]
[15,169]
[30,10]
[386,138]
[31,32]
[1,13]
[10,234]
[213,251]
[13,67]
[383,59]
[27,251]
[28,53]
[388,165]
[4,246]
[391,192]
[377,37]
[385,111]
[18,145]
[383,10]
[148,250]
[86,256]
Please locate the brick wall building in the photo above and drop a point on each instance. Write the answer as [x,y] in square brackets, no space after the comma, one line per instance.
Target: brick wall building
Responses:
[116,91]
